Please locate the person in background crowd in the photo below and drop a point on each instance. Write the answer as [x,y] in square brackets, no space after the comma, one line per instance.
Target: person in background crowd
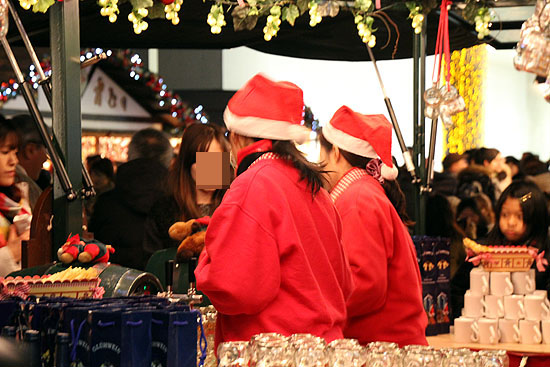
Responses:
[475,180]
[185,201]
[469,155]
[454,163]
[44,179]
[356,151]
[31,155]
[15,217]
[103,178]
[119,215]
[522,219]
[446,183]
[273,259]
[499,171]
[537,171]
[515,170]
[440,222]
[475,216]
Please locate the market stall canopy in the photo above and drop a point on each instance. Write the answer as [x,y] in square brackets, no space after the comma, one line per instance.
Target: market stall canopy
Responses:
[333,39]
[111,101]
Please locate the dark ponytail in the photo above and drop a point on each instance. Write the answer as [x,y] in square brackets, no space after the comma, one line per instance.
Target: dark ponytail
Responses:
[310,172]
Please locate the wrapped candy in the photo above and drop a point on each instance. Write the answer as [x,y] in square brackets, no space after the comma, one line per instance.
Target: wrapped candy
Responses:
[4,19]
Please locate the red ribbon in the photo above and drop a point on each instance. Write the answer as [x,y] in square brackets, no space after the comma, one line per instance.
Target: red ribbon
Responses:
[540,260]
[442,48]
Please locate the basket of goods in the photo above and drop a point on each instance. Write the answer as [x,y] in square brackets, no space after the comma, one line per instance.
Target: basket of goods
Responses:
[72,282]
[504,258]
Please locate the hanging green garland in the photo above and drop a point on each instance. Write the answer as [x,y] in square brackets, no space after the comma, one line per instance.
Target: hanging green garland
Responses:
[247,13]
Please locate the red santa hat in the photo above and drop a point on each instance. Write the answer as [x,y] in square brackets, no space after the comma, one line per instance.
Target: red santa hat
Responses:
[267,109]
[365,135]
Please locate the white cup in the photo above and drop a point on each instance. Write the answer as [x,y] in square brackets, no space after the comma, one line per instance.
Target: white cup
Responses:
[473,306]
[509,330]
[493,306]
[529,332]
[536,307]
[545,331]
[466,330]
[501,284]
[524,281]
[514,307]
[479,281]
[488,331]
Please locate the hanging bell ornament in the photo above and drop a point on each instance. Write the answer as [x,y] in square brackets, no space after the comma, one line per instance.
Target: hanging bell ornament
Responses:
[452,100]
[4,19]
[432,99]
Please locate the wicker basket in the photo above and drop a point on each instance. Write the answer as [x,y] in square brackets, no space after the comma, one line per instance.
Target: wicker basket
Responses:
[508,262]
[42,287]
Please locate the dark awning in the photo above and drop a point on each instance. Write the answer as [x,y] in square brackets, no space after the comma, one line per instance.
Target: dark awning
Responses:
[332,39]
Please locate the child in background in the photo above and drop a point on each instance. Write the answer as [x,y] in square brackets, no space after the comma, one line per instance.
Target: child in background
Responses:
[522,219]
[15,217]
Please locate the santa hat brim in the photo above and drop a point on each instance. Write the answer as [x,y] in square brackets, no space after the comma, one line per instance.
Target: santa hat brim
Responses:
[347,142]
[257,127]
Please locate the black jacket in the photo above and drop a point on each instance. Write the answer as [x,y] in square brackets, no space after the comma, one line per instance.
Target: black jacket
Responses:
[119,215]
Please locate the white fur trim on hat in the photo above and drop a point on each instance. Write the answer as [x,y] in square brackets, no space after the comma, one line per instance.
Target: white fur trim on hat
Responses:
[347,142]
[257,127]
[388,173]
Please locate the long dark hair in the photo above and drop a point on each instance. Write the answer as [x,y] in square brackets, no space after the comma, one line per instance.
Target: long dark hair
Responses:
[535,214]
[9,132]
[311,172]
[391,188]
[196,138]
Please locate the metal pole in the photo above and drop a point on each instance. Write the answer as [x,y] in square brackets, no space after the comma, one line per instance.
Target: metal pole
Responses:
[421,220]
[406,154]
[419,85]
[65,48]
[41,125]
[45,82]
[430,169]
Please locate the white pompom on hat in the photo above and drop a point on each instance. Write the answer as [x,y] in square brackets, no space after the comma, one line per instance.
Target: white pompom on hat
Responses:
[266,109]
[365,135]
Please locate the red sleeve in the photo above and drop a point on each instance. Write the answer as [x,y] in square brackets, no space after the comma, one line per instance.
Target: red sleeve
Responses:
[239,270]
[367,239]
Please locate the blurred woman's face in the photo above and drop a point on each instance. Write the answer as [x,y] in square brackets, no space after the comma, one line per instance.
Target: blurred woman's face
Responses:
[8,160]
[216,147]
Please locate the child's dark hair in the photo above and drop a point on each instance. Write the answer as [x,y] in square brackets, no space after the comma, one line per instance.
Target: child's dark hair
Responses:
[535,214]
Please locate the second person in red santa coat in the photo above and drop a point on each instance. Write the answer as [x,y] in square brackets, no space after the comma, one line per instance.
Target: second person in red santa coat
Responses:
[273,259]
[386,304]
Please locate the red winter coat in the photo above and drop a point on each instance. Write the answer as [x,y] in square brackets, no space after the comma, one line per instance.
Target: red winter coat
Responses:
[273,260]
[386,304]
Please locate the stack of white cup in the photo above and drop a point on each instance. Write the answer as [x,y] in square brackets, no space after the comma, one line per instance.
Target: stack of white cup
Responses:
[503,307]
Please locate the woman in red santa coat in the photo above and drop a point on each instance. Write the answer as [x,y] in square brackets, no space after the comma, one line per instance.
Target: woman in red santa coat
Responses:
[273,259]
[386,304]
